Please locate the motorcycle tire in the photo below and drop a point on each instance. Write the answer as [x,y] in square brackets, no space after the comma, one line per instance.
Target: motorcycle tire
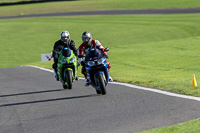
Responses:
[64,86]
[68,78]
[98,91]
[101,83]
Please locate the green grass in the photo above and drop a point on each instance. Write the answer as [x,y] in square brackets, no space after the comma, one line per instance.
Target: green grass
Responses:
[187,127]
[96,5]
[3,1]
[159,51]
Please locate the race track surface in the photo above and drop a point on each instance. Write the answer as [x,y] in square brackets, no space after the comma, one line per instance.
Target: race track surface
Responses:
[32,101]
[110,12]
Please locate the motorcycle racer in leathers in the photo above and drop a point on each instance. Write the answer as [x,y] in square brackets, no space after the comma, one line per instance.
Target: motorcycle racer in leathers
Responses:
[64,42]
[88,43]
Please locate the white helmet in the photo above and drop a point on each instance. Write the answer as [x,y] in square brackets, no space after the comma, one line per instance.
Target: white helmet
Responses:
[87,38]
[65,36]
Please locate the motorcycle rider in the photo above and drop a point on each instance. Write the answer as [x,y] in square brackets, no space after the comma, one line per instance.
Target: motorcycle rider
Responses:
[63,42]
[88,43]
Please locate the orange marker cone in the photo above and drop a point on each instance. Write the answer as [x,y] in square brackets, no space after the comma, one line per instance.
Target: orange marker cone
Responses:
[194,82]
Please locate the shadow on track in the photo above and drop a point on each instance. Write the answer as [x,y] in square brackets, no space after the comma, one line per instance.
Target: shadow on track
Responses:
[48,100]
[28,93]
[30,2]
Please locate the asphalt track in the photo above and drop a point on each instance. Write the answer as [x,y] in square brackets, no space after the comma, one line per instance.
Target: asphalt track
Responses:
[110,12]
[31,101]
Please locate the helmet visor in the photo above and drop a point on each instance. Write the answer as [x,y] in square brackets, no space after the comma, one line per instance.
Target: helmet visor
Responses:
[64,38]
[86,40]
[66,52]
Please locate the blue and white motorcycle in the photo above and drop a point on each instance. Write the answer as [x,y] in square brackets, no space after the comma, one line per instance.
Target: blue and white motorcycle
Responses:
[97,70]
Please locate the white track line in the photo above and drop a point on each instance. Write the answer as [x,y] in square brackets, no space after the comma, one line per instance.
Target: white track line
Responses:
[138,87]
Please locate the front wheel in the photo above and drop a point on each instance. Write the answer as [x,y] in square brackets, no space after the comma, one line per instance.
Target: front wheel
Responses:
[101,83]
[98,91]
[67,79]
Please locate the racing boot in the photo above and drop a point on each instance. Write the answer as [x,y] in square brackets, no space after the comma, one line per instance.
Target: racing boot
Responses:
[77,78]
[86,82]
[110,79]
[56,75]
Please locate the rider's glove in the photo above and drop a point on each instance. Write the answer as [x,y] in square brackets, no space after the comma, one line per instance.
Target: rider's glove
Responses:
[106,56]
[82,63]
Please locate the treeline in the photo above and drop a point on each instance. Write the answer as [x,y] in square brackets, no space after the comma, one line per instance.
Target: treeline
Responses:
[29,2]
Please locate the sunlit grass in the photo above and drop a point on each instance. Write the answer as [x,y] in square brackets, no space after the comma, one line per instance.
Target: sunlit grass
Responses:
[159,51]
[80,5]
[187,127]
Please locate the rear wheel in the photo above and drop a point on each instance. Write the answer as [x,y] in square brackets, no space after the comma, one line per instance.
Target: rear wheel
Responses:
[68,79]
[101,84]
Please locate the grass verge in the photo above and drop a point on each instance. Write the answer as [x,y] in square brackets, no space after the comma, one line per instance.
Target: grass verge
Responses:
[81,5]
[159,51]
[187,127]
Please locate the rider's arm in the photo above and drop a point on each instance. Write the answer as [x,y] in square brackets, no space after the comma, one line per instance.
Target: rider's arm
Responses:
[73,47]
[81,52]
[55,52]
[81,49]
[100,47]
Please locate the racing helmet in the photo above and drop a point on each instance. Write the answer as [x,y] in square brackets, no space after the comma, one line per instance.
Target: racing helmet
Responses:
[65,36]
[87,38]
[66,52]
[93,53]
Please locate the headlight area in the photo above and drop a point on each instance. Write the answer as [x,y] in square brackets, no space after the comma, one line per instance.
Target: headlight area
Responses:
[90,63]
[72,60]
[63,61]
[101,61]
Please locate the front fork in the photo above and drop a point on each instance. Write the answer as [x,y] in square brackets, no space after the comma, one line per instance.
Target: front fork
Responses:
[96,78]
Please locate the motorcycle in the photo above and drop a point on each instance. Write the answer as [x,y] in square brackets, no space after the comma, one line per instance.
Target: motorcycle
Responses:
[67,67]
[96,68]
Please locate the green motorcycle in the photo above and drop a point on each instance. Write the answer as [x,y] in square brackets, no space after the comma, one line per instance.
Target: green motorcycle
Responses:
[67,67]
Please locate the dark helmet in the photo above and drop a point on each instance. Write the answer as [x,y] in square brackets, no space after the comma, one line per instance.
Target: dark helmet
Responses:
[66,52]
[87,38]
[65,36]
[93,53]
